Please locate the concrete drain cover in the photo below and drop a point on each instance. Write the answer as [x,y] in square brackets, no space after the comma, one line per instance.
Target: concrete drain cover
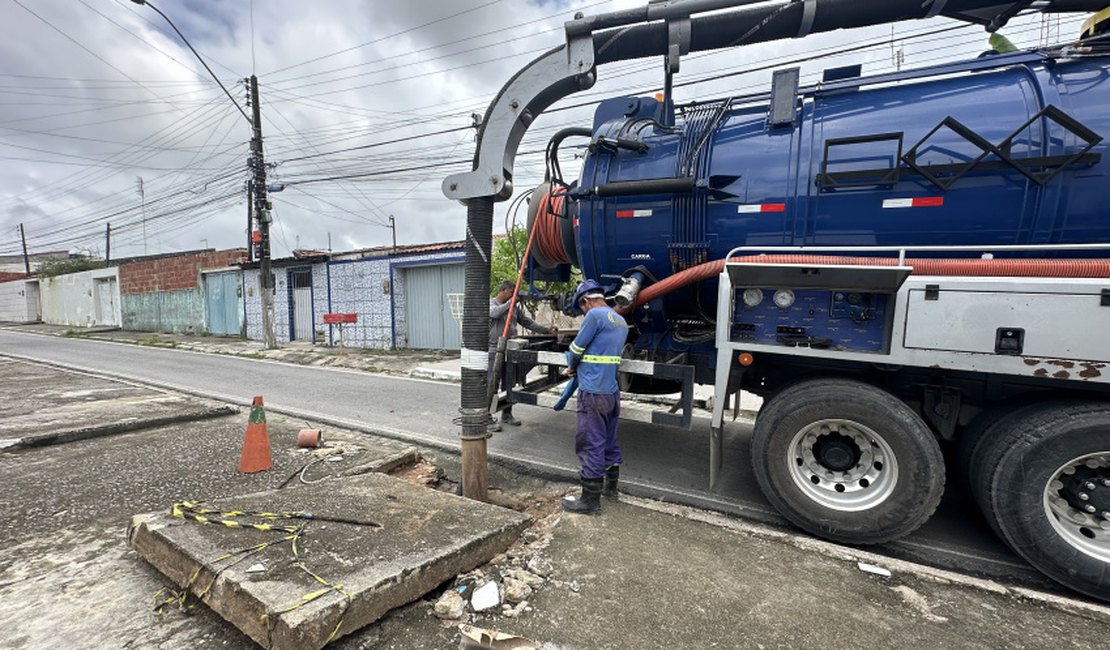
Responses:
[373,543]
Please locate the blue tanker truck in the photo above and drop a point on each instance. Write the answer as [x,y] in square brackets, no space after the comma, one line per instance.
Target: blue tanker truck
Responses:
[894,263]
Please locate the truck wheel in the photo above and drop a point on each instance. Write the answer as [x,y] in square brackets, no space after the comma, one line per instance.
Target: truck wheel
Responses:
[978,454]
[1050,495]
[847,461]
[969,439]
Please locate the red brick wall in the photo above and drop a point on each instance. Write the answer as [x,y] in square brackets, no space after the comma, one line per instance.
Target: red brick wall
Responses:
[5,276]
[174,273]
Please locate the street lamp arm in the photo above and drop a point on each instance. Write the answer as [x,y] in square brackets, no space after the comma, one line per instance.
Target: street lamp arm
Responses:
[195,53]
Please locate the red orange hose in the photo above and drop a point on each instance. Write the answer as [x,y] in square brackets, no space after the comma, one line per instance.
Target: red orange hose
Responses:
[519,279]
[549,240]
[1021,268]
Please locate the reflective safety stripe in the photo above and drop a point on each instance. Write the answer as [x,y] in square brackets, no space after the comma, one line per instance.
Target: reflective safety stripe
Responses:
[602,359]
[577,350]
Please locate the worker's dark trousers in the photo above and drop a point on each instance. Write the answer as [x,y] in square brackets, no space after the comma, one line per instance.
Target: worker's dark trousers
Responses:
[596,443]
[502,383]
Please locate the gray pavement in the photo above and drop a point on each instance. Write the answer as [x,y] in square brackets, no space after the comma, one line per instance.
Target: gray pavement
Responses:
[641,575]
[661,462]
[48,411]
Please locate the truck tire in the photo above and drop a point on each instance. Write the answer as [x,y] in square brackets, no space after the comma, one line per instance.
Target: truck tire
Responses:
[969,439]
[846,461]
[1054,471]
[987,439]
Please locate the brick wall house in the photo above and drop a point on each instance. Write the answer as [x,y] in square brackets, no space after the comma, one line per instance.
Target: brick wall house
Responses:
[170,293]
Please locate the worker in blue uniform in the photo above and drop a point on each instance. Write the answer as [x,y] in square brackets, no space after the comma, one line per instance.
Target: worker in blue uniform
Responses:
[594,359]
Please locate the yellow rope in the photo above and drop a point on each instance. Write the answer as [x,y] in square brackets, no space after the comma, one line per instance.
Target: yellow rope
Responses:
[191,510]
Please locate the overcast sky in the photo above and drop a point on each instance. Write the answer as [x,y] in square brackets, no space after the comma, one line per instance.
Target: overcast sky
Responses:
[95,94]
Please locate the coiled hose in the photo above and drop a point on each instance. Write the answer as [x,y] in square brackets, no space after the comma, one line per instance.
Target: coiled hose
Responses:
[546,227]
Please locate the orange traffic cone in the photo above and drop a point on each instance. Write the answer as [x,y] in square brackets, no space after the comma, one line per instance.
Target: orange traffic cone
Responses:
[256,446]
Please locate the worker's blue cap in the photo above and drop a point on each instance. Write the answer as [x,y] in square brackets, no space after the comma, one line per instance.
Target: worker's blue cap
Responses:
[587,288]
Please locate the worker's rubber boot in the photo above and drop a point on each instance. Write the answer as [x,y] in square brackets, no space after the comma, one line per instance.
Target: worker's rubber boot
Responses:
[590,501]
[507,418]
[612,474]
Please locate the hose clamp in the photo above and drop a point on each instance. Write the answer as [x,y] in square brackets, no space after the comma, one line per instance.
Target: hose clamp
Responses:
[809,12]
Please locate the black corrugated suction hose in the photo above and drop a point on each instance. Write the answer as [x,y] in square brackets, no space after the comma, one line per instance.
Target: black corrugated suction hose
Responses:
[475,330]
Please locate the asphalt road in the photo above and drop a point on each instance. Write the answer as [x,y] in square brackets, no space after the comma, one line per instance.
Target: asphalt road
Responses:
[660,462]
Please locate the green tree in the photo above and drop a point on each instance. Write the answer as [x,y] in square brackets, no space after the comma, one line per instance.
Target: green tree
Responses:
[507,252]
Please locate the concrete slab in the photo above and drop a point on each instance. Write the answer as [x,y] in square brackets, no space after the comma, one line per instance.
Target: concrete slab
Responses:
[54,406]
[384,541]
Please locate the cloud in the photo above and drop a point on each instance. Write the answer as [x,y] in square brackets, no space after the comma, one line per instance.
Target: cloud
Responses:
[333,75]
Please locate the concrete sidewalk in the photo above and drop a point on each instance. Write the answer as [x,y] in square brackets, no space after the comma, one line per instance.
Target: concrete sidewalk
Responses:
[390,362]
[641,575]
[53,406]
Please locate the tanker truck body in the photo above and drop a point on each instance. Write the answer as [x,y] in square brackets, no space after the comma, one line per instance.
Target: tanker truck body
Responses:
[893,263]
[835,170]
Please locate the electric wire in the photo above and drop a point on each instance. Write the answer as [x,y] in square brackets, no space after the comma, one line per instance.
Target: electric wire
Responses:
[386,37]
[395,172]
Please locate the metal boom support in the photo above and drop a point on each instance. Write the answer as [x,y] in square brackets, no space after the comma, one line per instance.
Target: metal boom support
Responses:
[661,28]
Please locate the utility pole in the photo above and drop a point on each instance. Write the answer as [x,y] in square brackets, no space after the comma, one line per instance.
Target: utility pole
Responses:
[393,227]
[107,243]
[26,259]
[250,221]
[142,199]
[262,213]
[258,164]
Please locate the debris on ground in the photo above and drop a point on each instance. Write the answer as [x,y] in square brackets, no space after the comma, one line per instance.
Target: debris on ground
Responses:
[511,578]
[485,597]
[332,449]
[421,472]
[450,605]
[523,575]
[309,438]
[918,602]
[540,566]
[396,465]
[475,638]
[871,568]
[510,611]
[515,590]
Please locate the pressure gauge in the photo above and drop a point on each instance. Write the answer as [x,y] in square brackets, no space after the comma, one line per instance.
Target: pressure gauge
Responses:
[752,297]
[784,298]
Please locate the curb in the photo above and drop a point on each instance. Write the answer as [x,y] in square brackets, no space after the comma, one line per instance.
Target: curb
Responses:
[29,442]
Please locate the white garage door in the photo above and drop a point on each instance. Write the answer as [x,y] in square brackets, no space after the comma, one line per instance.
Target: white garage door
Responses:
[427,308]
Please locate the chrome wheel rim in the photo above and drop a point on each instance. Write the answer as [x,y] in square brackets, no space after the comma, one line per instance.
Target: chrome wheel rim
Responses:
[1077,503]
[842,465]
